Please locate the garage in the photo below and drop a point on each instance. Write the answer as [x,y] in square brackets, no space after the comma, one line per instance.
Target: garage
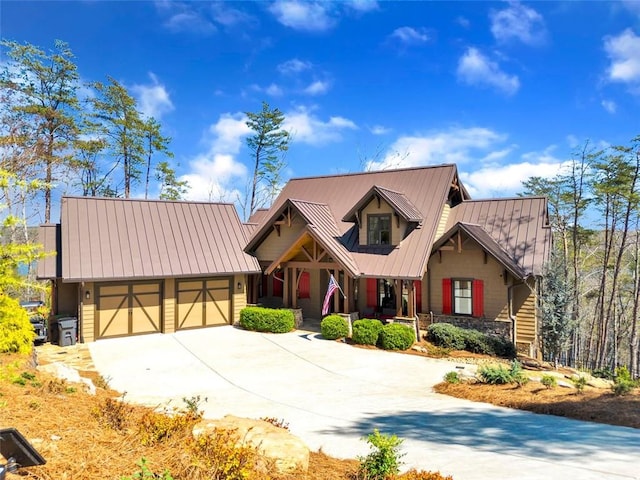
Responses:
[128,309]
[203,303]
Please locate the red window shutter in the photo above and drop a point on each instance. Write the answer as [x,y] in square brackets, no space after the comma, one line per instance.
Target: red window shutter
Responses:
[278,278]
[304,286]
[417,285]
[478,298]
[372,292]
[446,296]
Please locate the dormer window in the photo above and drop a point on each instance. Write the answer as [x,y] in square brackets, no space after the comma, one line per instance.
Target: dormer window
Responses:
[379,229]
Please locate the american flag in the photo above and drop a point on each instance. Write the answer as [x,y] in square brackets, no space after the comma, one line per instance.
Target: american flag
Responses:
[333,286]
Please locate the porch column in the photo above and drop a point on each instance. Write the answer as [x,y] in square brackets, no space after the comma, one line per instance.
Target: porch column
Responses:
[347,293]
[294,284]
[336,295]
[398,287]
[285,288]
[411,293]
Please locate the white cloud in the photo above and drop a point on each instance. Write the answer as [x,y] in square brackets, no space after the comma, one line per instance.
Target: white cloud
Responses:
[191,22]
[380,130]
[307,128]
[624,52]
[463,22]
[362,5]
[229,17]
[309,16]
[609,105]
[214,174]
[456,145]
[228,133]
[410,35]
[274,90]
[153,99]
[317,87]
[518,22]
[294,66]
[506,180]
[476,69]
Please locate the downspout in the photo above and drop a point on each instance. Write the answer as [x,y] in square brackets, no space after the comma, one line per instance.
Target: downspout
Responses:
[510,310]
[81,313]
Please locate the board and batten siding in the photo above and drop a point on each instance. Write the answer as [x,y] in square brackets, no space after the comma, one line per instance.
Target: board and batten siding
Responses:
[273,246]
[398,229]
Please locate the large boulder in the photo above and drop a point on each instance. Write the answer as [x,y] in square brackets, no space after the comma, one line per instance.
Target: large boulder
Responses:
[288,452]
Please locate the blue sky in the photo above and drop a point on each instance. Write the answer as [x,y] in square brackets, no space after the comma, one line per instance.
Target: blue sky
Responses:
[504,89]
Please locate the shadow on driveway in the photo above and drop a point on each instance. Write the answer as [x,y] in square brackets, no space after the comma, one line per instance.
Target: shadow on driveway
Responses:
[504,431]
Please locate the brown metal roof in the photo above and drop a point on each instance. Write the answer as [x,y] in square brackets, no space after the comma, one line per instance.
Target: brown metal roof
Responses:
[108,239]
[518,225]
[258,216]
[321,224]
[398,201]
[426,188]
[50,266]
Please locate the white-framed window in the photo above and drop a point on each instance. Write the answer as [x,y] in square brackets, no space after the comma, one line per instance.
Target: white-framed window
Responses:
[462,297]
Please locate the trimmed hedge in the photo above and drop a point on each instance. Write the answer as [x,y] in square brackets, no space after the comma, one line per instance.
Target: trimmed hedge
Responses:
[395,336]
[261,319]
[16,331]
[334,327]
[366,331]
[449,336]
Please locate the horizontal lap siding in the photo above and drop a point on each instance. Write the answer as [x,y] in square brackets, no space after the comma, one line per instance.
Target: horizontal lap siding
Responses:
[525,311]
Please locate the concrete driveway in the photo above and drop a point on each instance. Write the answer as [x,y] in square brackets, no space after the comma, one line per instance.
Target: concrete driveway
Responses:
[332,395]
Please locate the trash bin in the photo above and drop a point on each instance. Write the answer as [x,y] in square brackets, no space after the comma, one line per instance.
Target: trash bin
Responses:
[67,331]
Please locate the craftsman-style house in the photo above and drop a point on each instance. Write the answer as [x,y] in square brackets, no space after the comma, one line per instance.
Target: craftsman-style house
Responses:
[402,244]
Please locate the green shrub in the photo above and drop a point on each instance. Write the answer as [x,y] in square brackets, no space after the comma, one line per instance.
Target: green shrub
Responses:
[260,319]
[334,327]
[145,473]
[477,342]
[452,377]
[446,335]
[366,331]
[503,347]
[549,381]
[449,336]
[396,336]
[580,382]
[605,373]
[623,383]
[517,375]
[495,374]
[622,387]
[16,331]
[384,460]
[500,375]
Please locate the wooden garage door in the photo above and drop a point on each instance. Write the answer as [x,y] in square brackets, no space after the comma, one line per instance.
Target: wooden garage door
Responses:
[128,309]
[203,303]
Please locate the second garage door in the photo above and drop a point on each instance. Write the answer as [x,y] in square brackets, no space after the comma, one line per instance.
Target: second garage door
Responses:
[128,309]
[203,303]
